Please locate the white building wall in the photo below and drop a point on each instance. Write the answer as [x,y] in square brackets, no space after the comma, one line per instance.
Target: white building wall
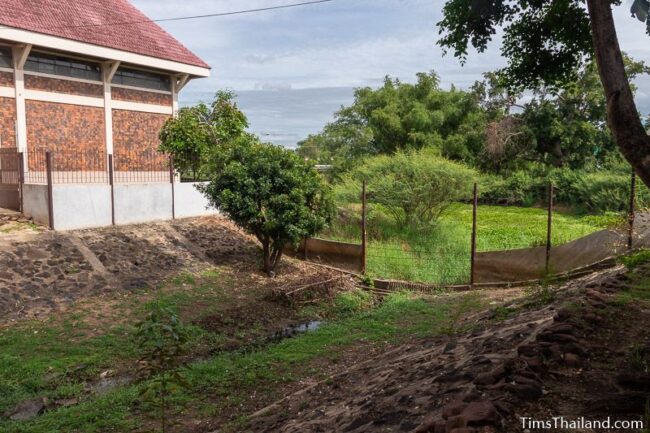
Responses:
[138,203]
[81,206]
[190,201]
[35,203]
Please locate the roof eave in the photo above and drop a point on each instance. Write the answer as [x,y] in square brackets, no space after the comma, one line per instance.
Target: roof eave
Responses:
[22,36]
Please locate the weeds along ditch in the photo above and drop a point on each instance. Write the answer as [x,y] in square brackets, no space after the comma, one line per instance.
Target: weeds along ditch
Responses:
[440,252]
[62,361]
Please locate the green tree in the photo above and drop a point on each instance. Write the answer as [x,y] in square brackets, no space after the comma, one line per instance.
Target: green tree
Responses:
[271,193]
[191,135]
[546,42]
[187,139]
[413,186]
[401,116]
[560,127]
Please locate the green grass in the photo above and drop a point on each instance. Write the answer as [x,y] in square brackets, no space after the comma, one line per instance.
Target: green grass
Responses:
[631,261]
[441,254]
[218,384]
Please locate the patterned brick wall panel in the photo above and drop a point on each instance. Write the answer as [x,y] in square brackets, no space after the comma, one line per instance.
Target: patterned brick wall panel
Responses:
[6,79]
[135,141]
[74,133]
[7,122]
[47,84]
[132,95]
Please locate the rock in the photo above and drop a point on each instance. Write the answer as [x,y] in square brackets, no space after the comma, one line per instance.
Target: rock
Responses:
[571,360]
[28,409]
[561,328]
[504,407]
[452,409]
[598,296]
[458,421]
[431,425]
[534,363]
[557,337]
[480,413]
[67,402]
[525,380]
[485,379]
[491,377]
[525,392]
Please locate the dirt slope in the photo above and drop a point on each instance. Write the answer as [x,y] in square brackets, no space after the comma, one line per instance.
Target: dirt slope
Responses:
[576,352]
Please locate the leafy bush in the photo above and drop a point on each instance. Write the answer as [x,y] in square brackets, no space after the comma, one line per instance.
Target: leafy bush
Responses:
[518,189]
[270,192]
[413,187]
[597,191]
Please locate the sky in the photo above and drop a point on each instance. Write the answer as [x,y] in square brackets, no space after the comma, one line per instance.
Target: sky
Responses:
[293,68]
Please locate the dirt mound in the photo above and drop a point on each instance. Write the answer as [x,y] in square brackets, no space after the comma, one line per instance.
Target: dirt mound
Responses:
[39,275]
[50,271]
[547,358]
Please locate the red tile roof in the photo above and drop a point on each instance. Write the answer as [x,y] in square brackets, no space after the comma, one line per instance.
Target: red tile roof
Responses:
[78,19]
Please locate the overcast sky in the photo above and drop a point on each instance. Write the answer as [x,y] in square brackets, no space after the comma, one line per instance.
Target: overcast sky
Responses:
[345,43]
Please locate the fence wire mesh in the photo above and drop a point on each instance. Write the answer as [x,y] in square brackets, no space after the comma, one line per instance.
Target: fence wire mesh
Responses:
[92,167]
[510,241]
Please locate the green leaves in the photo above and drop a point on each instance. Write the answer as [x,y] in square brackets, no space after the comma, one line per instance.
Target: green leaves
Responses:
[270,192]
[414,187]
[639,10]
[162,338]
[543,40]
[395,117]
[195,131]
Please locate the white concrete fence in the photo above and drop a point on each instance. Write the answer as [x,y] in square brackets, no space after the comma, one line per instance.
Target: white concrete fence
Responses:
[76,190]
[78,206]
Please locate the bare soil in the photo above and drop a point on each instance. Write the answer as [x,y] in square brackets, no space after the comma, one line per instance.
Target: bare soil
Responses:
[577,356]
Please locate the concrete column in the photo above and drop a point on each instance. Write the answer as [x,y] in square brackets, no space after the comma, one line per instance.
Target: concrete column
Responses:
[20,54]
[178,82]
[108,71]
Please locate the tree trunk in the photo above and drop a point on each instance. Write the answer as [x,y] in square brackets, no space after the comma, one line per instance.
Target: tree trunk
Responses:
[267,266]
[622,114]
[277,255]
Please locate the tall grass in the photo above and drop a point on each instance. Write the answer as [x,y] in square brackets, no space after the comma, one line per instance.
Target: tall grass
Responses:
[441,253]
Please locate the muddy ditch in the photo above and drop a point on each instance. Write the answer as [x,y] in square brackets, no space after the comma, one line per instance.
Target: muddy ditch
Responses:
[109,380]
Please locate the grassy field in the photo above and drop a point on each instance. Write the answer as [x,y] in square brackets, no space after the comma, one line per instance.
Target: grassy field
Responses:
[440,254]
[58,359]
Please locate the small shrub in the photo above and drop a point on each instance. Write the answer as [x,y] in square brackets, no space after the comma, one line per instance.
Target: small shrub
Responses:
[540,295]
[413,187]
[501,313]
[163,339]
[635,259]
[637,358]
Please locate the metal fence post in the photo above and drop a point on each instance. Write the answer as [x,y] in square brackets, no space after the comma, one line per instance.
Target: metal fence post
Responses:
[50,194]
[630,235]
[111,181]
[473,252]
[21,182]
[171,180]
[364,232]
[549,226]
